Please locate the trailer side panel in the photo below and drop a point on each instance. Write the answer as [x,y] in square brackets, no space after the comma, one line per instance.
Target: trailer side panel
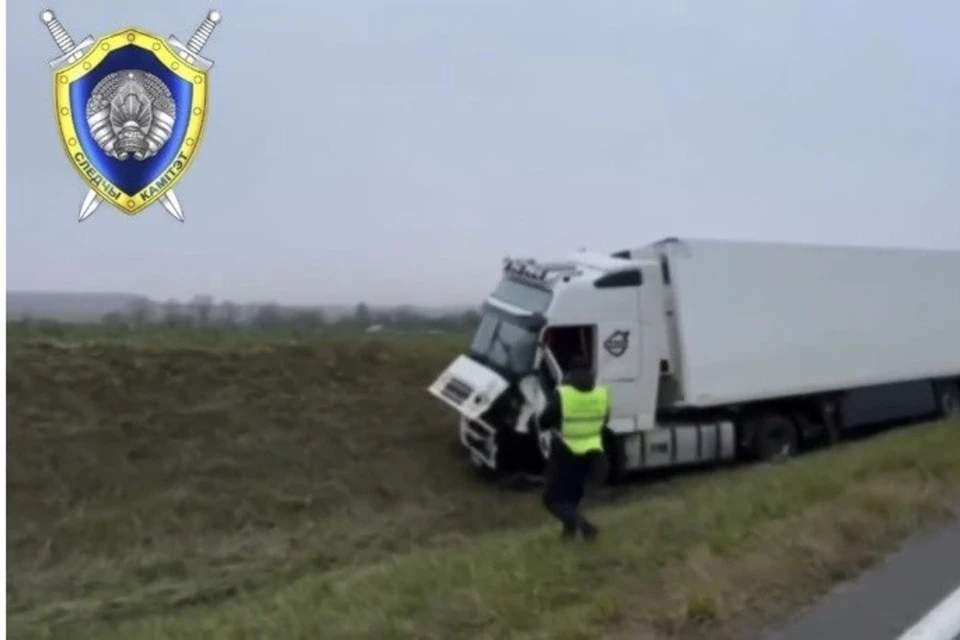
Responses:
[762,320]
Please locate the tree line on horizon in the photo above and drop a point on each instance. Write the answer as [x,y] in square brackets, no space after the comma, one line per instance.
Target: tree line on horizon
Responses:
[206,312]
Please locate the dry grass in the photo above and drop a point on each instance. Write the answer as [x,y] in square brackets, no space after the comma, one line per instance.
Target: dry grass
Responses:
[311,489]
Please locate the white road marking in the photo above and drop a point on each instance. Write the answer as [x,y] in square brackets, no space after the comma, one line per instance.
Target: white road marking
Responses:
[941,623]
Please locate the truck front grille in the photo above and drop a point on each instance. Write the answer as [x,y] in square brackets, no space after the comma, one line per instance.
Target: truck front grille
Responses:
[457,390]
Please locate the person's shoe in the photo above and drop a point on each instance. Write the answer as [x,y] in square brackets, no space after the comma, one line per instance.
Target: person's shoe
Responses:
[568,535]
[589,530]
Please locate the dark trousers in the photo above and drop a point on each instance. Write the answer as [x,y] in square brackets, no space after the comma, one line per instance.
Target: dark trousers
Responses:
[566,478]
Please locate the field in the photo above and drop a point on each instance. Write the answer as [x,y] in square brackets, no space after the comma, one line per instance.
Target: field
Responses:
[192,484]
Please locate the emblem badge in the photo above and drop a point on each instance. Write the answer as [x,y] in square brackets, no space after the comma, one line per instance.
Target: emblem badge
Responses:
[617,343]
[130,108]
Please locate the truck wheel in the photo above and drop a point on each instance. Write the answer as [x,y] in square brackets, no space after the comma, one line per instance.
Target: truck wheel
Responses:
[520,453]
[613,459]
[950,400]
[774,438]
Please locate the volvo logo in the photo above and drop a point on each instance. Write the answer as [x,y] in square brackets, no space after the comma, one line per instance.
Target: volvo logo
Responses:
[617,343]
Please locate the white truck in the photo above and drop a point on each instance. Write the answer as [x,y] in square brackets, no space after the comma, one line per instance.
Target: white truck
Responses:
[713,350]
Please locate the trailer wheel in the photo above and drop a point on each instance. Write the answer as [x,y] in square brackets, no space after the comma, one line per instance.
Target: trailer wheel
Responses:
[950,400]
[774,438]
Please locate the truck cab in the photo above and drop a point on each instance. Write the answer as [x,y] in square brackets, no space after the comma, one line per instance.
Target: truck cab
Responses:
[538,318]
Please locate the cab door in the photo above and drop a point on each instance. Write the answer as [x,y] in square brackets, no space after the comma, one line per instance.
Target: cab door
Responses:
[536,387]
[618,350]
[620,347]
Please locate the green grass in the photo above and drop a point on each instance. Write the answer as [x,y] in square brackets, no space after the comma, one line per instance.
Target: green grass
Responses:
[196,488]
[141,476]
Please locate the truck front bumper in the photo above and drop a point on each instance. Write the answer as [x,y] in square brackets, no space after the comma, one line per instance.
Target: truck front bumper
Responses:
[480,441]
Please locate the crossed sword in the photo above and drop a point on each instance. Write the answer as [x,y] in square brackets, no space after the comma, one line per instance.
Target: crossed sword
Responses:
[70,52]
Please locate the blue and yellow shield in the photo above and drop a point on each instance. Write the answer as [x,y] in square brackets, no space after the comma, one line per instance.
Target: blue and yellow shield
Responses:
[131,115]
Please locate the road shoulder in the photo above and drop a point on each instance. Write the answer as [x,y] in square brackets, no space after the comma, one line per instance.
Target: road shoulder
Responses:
[887,600]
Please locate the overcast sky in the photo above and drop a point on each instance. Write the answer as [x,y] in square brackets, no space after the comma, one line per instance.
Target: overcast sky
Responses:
[394,151]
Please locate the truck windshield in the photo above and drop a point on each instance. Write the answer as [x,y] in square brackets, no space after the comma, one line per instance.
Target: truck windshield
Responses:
[504,345]
[525,296]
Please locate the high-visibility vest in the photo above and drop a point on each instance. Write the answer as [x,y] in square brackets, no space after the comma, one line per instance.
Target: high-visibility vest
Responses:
[583,414]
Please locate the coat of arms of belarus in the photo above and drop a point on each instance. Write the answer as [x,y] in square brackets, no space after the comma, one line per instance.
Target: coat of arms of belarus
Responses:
[130,108]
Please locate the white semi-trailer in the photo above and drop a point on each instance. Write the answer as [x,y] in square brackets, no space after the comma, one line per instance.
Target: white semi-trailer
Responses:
[712,350]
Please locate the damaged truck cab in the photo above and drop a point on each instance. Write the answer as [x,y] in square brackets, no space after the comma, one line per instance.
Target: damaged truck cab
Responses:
[540,318]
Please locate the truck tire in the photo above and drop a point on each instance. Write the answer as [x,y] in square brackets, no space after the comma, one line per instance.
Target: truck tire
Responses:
[613,471]
[773,439]
[950,400]
[520,452]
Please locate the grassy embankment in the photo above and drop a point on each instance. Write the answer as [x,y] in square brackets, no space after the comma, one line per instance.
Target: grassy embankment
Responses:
[231,488]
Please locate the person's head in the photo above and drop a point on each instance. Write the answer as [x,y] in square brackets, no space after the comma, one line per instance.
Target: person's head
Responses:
[580,374]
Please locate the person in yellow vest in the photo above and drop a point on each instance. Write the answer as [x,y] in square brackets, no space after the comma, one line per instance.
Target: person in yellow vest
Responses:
[577,413]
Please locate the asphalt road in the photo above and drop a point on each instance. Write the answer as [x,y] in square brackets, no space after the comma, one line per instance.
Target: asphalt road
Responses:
[888,600]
